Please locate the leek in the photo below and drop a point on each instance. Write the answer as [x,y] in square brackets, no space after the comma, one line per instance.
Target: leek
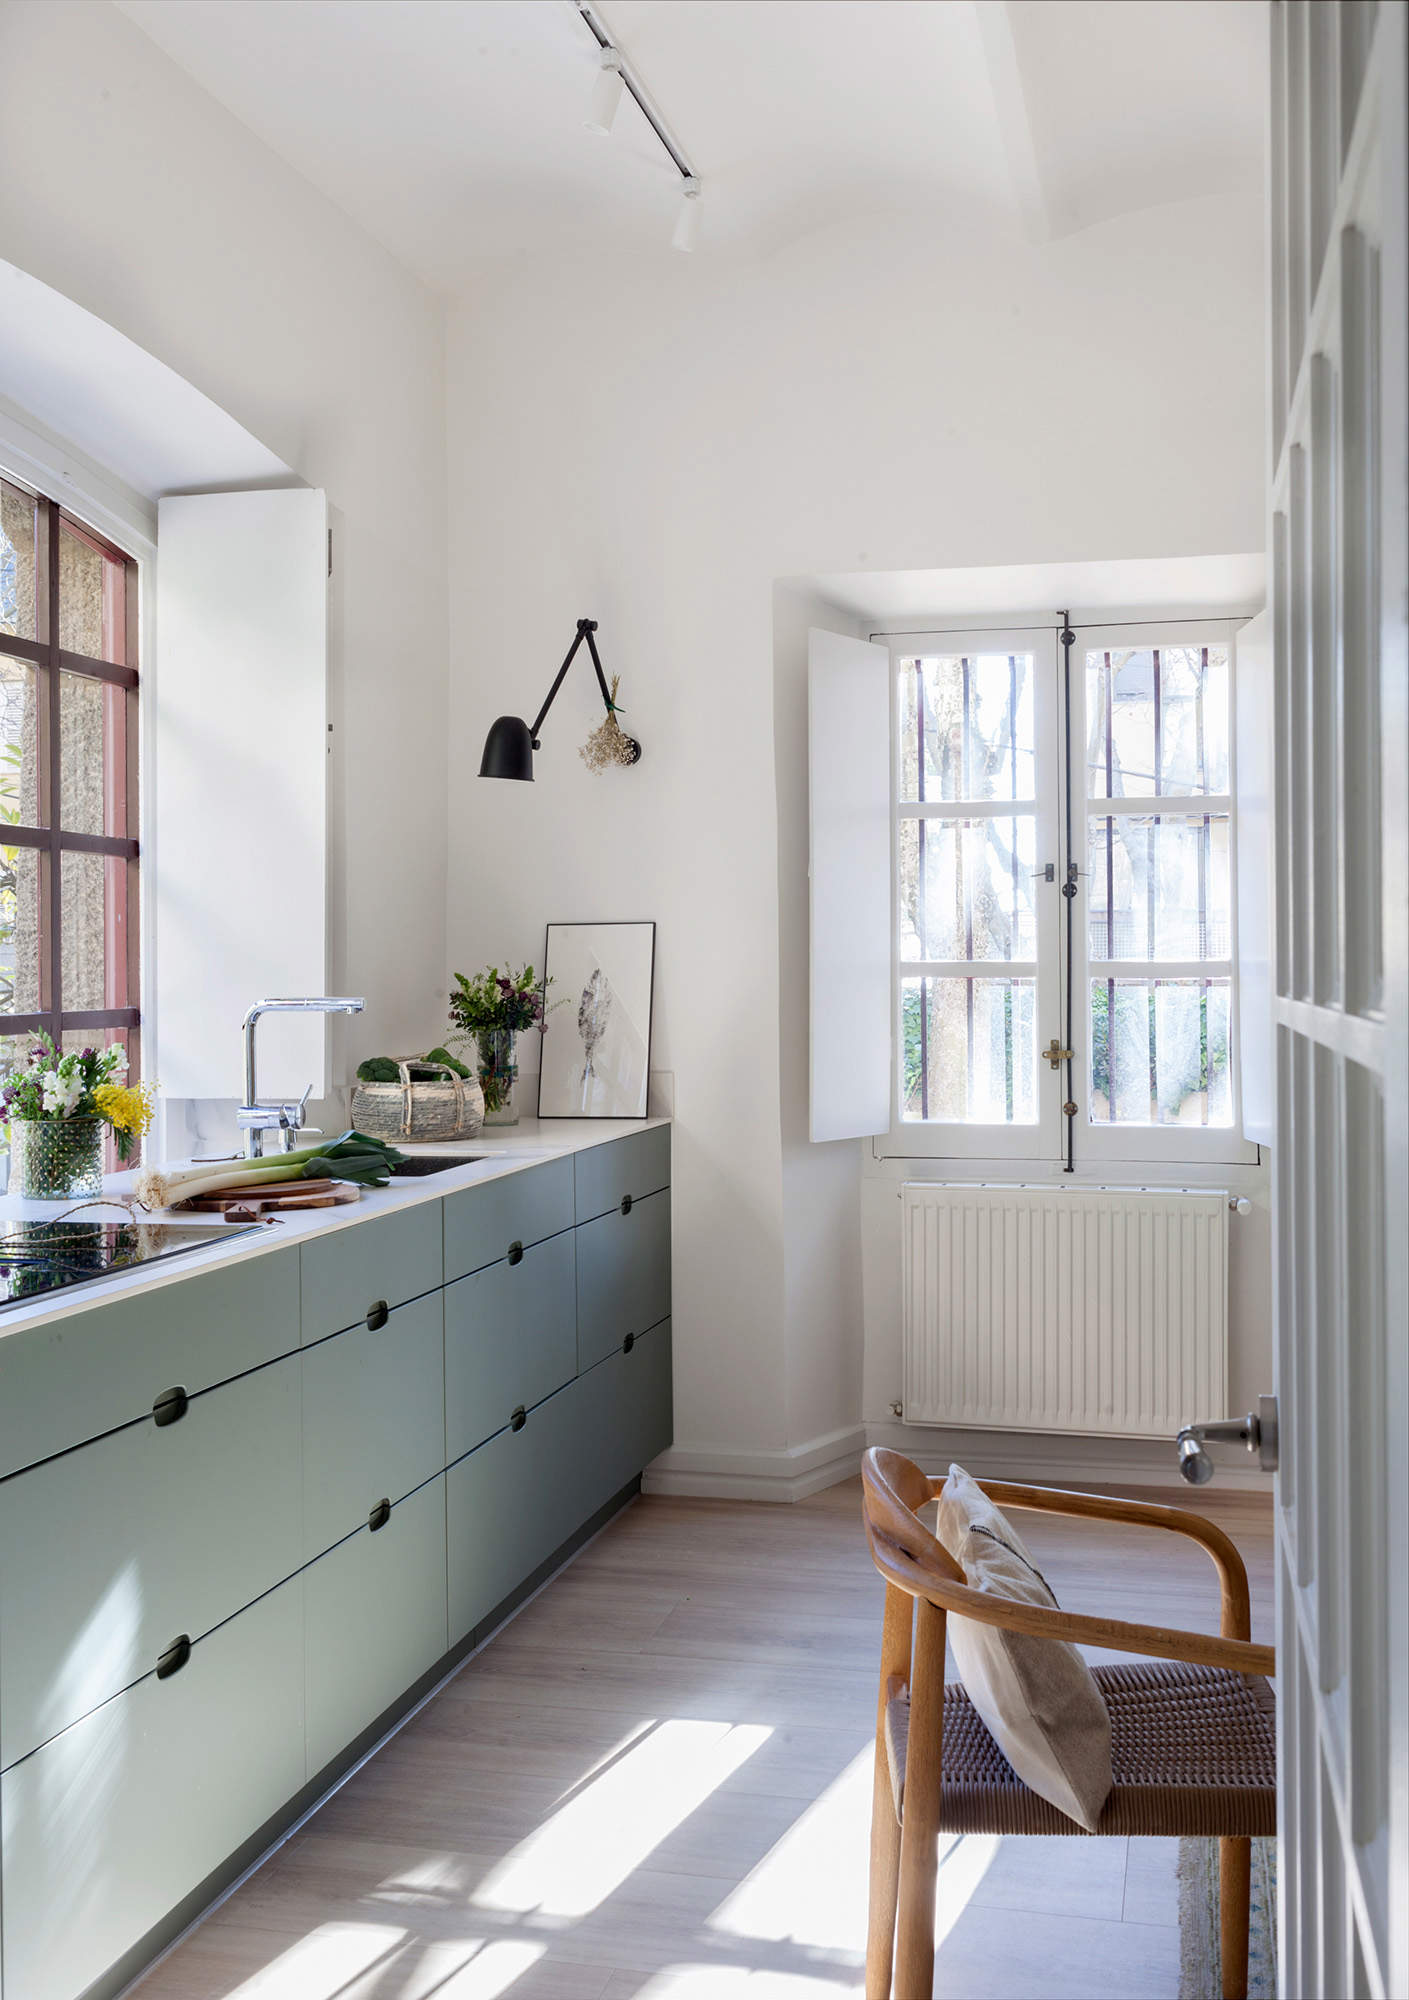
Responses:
[352,1157]
[156,1187]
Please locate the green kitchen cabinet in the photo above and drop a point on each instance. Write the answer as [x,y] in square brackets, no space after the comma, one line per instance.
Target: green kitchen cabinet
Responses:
[510,1339]
[110,1551]
[623,1274]
[509,1505]
[483,1223]
[624,1415]
[636,1165]
[644,1412]
[369,1267]
[374,1619]
[108,1826]
[324,1469]
[373,1418]
[99,1366]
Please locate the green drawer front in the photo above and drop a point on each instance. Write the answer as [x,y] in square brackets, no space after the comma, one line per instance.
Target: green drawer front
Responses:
[509,1505]
[510,1339]
[373,1419]
[623,1276]
[111,1824]
[636,1165]
[75,1378]
[526,1207]
[648,1402]
[374,1620]
[111,1551]
[384,1262]
[626,1414]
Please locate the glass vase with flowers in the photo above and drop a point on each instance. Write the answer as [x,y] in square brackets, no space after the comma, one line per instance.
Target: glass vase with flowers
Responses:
[59,1105]
[490,1011]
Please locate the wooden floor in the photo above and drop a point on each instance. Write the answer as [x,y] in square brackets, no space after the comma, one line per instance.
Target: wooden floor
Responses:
[654,1785]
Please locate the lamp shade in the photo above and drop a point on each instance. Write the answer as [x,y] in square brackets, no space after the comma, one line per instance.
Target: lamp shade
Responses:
[508,749]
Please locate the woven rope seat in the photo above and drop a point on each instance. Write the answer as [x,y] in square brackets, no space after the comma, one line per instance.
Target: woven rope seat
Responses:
[1193,1749]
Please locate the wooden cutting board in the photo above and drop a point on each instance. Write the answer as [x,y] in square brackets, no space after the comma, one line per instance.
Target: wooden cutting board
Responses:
[268,1195]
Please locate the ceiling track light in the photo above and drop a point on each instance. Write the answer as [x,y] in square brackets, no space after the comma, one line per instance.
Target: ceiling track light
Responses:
[606,95]
[614,75]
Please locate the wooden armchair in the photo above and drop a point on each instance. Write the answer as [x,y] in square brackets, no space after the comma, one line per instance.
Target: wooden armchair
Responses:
[1193,1744]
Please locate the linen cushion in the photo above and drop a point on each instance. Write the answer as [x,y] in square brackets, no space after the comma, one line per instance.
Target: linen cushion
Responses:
[1037,1697]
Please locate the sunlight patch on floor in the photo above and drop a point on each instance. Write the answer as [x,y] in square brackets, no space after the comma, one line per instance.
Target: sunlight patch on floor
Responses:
[373,1962]
[811,1887]
[587,1848]
[327,1961]
[730,1982]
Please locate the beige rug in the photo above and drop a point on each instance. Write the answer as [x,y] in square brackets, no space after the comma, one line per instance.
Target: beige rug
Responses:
[1200,1975]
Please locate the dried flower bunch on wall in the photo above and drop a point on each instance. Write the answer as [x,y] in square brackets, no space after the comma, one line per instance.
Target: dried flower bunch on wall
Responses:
[609,744]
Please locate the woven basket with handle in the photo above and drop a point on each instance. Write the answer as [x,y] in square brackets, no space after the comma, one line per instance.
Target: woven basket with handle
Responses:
[452,1109]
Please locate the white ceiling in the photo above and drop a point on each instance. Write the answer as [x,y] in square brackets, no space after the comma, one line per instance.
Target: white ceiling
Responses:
[452,129]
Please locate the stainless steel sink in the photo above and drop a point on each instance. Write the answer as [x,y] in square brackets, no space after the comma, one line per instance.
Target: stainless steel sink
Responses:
[416,1165]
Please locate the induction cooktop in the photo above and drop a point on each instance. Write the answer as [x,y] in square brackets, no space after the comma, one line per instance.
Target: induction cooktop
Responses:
[38,1257]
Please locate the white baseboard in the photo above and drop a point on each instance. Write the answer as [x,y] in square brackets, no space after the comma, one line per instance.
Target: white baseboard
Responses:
[792,1472]
[702,1472]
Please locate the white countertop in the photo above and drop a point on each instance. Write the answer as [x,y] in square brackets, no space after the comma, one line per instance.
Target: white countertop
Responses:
[501,1149]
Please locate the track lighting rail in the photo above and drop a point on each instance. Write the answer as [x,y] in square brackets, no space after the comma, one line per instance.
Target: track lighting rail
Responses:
[639,92]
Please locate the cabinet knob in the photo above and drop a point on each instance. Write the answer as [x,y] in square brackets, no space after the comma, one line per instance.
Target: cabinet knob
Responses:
[170,1407]
[379,1515]
[518,1419]
[626,1204]
[377,1315]
[628,1343]
[516,1252]
[174,1658]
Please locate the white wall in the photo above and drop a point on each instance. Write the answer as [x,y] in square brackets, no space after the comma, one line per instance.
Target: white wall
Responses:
[654,448]
[131,191]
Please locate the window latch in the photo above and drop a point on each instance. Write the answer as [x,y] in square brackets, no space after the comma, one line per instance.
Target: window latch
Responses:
[1056,1054]
[1047,874]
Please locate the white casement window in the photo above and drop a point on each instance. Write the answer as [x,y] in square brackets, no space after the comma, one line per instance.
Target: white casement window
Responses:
[1063,899]
[976,787]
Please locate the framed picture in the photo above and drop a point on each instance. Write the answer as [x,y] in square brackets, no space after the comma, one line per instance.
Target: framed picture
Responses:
[596,1055]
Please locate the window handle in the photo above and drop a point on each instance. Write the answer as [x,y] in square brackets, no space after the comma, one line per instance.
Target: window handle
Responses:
[1047,873]
[1056,1054]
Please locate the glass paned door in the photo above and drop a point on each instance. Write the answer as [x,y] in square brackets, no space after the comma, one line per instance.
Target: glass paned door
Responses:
[977,900]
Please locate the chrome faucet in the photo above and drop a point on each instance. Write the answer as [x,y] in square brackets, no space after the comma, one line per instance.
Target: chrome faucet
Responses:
[256,1118]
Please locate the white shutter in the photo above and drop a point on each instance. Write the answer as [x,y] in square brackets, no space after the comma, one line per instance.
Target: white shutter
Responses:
[240,762]
[1252,836]
[848,691]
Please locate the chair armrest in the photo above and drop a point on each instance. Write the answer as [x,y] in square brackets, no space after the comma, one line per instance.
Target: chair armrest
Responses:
[1236,1655]
[1236,1620]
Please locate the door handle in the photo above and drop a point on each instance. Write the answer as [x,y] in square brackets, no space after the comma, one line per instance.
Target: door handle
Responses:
[1257,1430]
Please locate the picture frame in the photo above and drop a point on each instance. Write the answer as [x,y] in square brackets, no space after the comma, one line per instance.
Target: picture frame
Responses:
[595,1060]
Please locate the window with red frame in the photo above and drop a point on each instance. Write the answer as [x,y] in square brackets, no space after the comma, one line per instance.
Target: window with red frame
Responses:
[68,780]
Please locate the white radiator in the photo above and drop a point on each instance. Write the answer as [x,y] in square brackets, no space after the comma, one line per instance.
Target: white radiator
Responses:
[1064,1309]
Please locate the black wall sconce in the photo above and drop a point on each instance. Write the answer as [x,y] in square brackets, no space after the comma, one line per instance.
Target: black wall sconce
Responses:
[511,742]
